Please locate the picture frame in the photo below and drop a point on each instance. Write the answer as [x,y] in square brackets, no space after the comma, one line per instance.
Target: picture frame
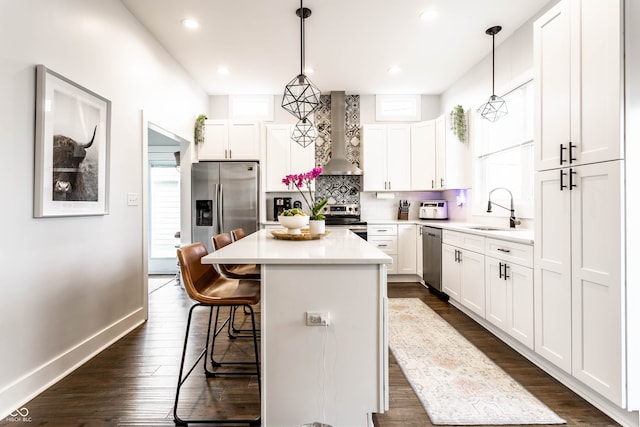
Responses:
[72,147]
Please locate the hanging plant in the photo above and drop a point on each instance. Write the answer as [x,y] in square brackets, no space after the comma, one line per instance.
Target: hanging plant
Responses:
[459,123]
[198,132]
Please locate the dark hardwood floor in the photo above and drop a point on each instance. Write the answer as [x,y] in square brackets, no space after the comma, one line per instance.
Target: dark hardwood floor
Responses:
[132,383]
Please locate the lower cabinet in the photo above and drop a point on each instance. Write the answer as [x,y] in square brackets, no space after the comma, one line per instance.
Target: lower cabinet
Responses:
[463,276]
[493,278]
[385,238]
[407,256]
[509,298]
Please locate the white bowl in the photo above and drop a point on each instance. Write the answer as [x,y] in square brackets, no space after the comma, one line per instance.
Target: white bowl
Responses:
[293,224]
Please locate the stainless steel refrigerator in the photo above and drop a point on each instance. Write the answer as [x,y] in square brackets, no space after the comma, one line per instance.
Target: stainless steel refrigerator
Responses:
[224,196]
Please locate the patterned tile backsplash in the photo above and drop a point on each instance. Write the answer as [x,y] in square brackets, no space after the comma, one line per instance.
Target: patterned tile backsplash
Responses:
[322,120]
[343,189]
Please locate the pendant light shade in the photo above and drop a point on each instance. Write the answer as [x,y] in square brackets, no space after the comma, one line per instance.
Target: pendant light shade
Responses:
[301,97]
[304,133]
[495,107]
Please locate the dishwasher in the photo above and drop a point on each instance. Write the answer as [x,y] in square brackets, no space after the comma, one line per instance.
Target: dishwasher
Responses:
[432,258]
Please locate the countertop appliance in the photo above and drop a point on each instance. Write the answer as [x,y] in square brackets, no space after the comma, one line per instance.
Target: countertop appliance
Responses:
[434,209]
[280,204]
[345,216]
[224,196]
[432,258]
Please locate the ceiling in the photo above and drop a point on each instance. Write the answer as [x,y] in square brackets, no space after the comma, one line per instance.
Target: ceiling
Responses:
[350,44]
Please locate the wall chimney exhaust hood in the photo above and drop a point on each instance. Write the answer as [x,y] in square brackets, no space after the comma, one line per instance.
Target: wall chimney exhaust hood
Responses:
[338,165]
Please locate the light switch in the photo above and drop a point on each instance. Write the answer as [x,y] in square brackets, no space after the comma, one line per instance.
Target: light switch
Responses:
[133,199]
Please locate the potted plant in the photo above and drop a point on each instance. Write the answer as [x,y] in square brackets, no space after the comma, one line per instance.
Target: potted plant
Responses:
[316,219]
[198,131]
[459,123]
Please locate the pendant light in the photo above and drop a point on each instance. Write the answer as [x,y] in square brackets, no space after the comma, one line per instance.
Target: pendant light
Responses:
[301,97]
[495,107]
[305,132]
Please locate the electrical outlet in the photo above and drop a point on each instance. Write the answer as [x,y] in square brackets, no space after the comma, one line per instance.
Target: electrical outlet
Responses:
[318,318]
[133,199]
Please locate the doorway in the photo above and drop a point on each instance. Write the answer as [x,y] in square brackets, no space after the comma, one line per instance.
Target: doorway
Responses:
[164,200]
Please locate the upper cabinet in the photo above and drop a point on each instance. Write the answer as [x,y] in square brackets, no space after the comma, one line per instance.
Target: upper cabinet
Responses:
[579,87]
[284,157]
[423,153]
[230,140]
[438,159]
[386,157]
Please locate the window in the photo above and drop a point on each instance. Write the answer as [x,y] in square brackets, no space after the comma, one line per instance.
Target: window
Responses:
[164,210]
[504,155]
[251,107]
[398,108]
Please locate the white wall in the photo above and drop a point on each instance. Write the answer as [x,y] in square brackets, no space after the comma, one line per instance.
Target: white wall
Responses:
[72,285]
[513,60]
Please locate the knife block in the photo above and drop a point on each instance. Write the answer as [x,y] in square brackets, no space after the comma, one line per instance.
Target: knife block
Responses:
[403,215]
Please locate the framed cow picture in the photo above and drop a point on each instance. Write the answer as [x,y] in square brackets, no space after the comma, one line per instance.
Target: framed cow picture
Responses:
[71,148]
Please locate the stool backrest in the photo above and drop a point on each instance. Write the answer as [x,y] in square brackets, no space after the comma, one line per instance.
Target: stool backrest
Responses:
[237,234]
[196,276]
[221,240]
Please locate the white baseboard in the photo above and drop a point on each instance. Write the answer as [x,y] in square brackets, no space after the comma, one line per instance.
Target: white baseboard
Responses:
[16,395]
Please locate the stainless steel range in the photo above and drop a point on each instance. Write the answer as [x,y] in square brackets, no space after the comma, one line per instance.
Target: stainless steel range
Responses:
[345,216]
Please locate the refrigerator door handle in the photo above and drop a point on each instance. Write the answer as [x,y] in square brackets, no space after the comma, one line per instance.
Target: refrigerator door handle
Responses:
[219,207]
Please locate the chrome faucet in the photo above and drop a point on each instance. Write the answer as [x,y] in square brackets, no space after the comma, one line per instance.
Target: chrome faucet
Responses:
[512,219]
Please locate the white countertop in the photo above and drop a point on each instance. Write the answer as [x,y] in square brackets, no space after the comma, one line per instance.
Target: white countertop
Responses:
[518,235]
[339,247]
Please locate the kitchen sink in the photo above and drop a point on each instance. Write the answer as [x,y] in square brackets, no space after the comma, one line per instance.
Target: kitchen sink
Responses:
[489,228]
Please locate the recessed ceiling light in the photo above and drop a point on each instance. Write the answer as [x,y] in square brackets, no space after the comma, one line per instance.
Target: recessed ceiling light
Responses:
[191,24]
[223,70]
[394,69]
[428,15]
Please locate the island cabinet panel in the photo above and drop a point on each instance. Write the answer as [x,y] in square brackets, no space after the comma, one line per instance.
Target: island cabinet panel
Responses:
[343,277]
[292,348]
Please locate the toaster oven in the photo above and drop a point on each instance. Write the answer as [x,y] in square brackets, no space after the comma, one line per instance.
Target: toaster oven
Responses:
[434,209]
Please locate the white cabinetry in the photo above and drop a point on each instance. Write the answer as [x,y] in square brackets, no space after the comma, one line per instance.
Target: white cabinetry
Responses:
[578,280]
[509,288]
[463,269]
[423,155]
[407,256]
[230,140]
[419,251]
[452,157]
[386,157]
[579,214]
[438,159]
[284,157]
[385,238]
[577,67]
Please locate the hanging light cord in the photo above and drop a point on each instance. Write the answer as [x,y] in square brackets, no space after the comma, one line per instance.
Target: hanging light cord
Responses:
[493,65]
[301,39]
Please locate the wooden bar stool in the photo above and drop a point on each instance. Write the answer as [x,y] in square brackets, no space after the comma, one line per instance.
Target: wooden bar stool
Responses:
[207,288]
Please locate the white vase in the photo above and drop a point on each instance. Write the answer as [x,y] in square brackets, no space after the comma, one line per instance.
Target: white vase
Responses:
[316,226]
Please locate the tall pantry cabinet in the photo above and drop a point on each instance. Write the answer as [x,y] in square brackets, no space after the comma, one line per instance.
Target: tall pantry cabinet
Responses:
[579,258]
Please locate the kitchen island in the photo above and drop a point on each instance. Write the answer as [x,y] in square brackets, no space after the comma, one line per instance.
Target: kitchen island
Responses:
[335,373]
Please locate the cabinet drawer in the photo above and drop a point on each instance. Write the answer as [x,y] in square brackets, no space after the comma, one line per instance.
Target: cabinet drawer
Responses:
[382,230]
[386,244]
[472,242]
[517,253]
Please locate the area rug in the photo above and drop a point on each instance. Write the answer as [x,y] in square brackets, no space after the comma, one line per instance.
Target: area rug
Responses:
[456,383]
